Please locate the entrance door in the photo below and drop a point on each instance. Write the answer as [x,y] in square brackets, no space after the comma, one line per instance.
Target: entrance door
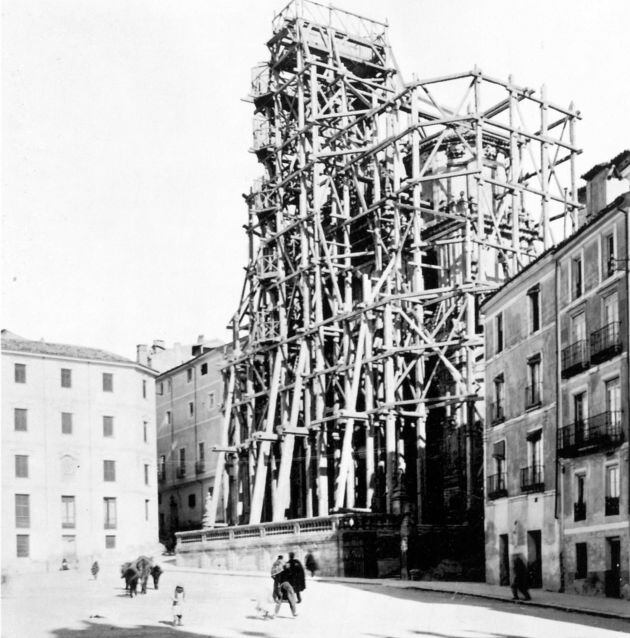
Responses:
[504,560]
[534,558]
[613,573]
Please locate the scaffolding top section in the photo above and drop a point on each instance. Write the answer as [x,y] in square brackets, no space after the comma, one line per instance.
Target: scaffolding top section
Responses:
[329,16]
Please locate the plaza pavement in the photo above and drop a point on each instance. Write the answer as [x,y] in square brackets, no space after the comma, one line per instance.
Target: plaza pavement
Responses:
[220,605]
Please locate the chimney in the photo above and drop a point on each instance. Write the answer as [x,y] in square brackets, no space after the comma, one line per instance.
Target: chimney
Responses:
[200,339]
[142,355]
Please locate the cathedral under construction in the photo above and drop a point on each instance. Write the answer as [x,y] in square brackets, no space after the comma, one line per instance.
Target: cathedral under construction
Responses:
[386,211]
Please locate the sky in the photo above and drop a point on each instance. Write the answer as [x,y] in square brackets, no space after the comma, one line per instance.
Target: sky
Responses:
[125,142]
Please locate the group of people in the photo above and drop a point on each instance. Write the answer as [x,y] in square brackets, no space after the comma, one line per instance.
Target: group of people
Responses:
[138,571]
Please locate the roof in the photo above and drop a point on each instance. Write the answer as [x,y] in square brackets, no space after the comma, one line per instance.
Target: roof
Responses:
[618,163]
[623,201]
[16,343]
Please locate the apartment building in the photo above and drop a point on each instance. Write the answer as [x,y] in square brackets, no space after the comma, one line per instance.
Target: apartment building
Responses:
[189,399]
[78,455]
[556,450]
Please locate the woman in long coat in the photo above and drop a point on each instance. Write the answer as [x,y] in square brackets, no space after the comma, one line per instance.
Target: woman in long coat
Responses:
[296,576]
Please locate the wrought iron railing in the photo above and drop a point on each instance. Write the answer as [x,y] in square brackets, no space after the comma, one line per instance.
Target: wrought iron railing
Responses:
[200,467]
[605,342]
[598,431]
[574,358]
[532,479]
[497,486]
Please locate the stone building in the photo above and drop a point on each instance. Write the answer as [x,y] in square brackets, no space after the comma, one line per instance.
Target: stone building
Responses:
[78,455]
[188,405]
[556,451]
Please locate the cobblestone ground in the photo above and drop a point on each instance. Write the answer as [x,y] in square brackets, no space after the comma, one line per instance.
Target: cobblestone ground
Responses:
[70,604]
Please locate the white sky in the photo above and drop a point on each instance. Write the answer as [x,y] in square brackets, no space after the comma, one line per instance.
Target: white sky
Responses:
[125,141]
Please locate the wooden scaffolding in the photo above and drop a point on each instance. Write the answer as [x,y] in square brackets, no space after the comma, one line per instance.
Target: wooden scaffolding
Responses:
[386,212]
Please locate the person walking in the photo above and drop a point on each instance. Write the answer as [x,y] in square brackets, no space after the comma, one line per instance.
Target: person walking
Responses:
[296,576]
[156,572]
[283,591]
[520,580]
[95,569]
[311,564]
[278,566]
[179,596]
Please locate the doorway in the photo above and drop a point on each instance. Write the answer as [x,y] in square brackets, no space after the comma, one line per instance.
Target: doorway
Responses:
[534,558]
[504,560]
[613,573]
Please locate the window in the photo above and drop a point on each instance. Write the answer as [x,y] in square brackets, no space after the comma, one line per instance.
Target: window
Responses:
[21,466]
[579,407]
[66,378]
[161,388]
[110,542]
[534,456]
[498,454]
[613,401]
[498,327]
[579,507]
[534,308]
[19,373]
[576,277]
[109,505]
[189,375]
[204,368]
[612,490]
[181,467]
[108,426]
[146,474]
[162,467]
[23,546]
[109,470]
[146,509]
[144,388]
[191,408]
[534,386]
[202,451]
[581,562]
[578,327]
[498,409]
[610,309]
[22,510]
[68,512]
[211,400]
[192,501]
[19,419]
[108,382]
[608,255]
[168,417]
[144,431]
[66,423]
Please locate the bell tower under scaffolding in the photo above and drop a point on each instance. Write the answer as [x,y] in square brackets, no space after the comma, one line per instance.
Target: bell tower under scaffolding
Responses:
[386,212]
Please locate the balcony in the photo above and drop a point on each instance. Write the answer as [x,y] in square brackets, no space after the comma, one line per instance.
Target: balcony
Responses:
[579,511]
[605,342]
[200,467]
[496,413]
[532,479]
[596,433]
[611,506]
[574,358]
[533,396]
[181,472]
[496,486]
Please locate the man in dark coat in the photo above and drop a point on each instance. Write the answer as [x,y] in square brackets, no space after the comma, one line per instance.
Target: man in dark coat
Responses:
[156,572]
[520,580]
[296,576]
[311,563]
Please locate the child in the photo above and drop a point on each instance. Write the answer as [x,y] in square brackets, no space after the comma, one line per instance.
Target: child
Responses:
[178,604]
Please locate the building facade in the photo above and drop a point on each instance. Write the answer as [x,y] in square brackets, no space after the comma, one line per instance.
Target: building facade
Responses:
[78,455]
[556,450]
[189,400]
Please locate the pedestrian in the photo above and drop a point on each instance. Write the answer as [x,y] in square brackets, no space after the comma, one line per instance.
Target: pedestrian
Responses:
[64,565]
[277,567]
[130,574]
[520,579]
[283,591]
[178,604]
[311,563]
[156,572]
[296,576]
[95,569]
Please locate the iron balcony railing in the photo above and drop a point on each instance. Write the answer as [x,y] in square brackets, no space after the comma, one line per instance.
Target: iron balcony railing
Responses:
[496,413]
[497,486]
[597,432]
[533,395]
[612,506]
[532,479]
[605,342]
[574,358]
[579,511]
[200,467]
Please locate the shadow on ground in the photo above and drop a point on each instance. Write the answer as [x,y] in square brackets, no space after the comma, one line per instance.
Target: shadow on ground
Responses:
[507,606]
